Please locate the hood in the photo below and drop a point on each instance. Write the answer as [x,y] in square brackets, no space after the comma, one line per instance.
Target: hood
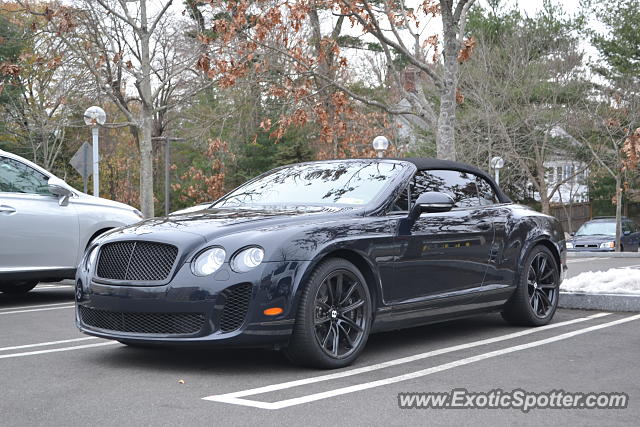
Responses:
[99,201]
[212,223]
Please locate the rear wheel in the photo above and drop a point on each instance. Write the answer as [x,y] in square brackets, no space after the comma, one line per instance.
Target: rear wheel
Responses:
[21,287]
[535,299]
[333,319]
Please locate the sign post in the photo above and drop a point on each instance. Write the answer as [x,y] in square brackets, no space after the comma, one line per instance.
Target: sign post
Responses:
[82,163]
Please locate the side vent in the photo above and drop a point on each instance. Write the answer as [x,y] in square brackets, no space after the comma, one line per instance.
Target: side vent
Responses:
[235,308]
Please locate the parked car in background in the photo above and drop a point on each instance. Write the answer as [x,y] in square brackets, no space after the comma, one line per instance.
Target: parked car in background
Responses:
[45,224]
[599,234]
[310,258]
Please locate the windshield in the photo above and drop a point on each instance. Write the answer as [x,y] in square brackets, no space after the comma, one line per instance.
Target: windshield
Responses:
[599,228]
[333,183]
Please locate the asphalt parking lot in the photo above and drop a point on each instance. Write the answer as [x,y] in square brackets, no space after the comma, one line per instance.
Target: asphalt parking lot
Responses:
[53,375]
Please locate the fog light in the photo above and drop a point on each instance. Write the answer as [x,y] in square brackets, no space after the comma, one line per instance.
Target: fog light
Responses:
[273,311]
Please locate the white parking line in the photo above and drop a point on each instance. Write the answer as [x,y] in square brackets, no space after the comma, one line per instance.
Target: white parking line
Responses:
[55,350]
[53,286]
[42,344]
[36,309]
[34,306]
[234,398]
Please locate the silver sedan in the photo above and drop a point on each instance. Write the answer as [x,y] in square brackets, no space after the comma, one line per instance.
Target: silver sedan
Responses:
[45,224]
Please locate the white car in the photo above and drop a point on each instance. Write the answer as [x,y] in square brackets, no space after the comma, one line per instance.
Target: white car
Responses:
[46,225]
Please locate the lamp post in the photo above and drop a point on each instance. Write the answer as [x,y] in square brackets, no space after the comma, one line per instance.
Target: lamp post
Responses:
[95,117]
[496,164]
[380,144]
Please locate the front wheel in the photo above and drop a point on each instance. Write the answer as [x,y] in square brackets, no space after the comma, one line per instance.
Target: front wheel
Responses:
[333,319]
[535,299]
[16,288]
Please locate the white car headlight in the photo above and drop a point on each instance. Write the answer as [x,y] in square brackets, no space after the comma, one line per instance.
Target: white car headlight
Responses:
[247,259]
[569,245]
[208,262]
[607,245]
[90,259]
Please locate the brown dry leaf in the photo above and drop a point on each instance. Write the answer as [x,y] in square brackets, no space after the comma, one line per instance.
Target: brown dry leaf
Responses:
[465,52]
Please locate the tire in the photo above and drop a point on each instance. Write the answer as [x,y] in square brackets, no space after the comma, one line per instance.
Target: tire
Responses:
[535,300]
[17,288]
[333,319]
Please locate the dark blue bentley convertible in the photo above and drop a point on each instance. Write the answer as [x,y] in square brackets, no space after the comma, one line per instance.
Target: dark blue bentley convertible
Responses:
[311,258]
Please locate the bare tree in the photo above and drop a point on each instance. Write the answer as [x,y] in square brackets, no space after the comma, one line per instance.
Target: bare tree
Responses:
[606,128]
[522,89]
[48,91]
[401,34]
[141,59]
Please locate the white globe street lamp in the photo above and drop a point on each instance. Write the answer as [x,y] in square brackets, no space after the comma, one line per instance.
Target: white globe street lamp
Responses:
[496,164]
[380,144]
[95,117]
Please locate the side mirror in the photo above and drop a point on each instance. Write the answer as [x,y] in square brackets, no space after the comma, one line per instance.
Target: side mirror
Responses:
[626,232]
[59,188]
[572,234]
[431,201]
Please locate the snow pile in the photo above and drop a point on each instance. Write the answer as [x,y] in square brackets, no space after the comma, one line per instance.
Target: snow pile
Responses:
[613,281]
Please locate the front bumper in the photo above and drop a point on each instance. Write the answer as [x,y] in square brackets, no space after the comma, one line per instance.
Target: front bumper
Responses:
[156,314]
[574,249]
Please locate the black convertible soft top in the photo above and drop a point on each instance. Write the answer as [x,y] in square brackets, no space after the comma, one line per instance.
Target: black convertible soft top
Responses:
[428,163]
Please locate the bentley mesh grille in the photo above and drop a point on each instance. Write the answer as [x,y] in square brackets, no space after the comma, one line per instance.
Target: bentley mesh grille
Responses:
[235,307]
[136,260]
[143,323]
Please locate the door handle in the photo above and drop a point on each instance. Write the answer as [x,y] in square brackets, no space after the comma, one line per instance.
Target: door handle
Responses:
[7,209]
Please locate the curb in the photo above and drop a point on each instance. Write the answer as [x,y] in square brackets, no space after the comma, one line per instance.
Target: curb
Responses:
[587,254]
[606,302]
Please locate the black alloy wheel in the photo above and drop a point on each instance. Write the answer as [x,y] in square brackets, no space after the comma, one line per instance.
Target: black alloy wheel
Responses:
[542,286]
[535,299]
[334,317]
[340,313]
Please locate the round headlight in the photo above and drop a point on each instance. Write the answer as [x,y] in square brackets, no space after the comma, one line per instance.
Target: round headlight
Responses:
[208,262]
[90,260]
[247,259]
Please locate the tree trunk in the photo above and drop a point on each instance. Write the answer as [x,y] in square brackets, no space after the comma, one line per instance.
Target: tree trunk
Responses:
[146,145]
[445,138]
[146,165]
[546,204]
[618,212]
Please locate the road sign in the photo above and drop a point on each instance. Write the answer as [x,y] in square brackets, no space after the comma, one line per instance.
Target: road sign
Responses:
[82,162]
